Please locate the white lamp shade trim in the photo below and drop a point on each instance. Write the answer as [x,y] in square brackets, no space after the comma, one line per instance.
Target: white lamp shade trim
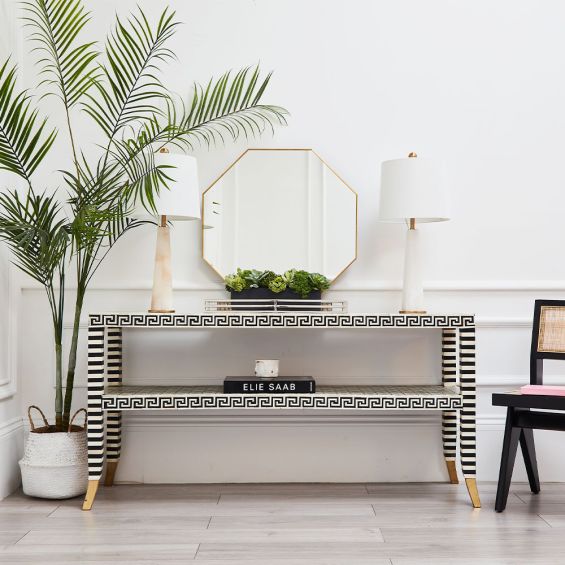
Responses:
[181,200]
[413,188]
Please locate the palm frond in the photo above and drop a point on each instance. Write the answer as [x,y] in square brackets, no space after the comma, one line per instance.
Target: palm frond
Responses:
[228,106]
[35,231]
[68,67]
[23,139]
[144,177]
[91,186]
[129,84]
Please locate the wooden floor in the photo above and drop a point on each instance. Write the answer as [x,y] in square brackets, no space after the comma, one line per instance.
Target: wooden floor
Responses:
[290,524]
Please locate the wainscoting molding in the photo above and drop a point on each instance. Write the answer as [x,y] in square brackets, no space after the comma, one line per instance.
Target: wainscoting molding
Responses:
[11,447]
[10,427]
[354,286]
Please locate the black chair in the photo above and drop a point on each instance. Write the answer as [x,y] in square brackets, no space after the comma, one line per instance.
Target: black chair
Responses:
[548,342]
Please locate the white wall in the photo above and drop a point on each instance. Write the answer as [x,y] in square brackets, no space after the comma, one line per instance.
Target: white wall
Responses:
[11,428]
[479,84]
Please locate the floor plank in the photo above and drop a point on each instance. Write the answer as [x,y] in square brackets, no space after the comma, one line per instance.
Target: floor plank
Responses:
[12,536]
[109,536]
[292,561]
[478,561]
[160,510]
[290,522]
[267,552]
[157,553]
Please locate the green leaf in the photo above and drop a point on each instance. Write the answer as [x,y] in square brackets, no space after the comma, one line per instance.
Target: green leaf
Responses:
[70,68]
[24,141]
[232,107]
[35,231]
[228,106]
[129,87]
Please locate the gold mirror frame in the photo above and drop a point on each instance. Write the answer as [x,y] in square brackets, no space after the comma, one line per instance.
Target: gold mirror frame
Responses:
[203,229]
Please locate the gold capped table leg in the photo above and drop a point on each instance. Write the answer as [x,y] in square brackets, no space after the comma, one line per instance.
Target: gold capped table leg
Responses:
[111,467]
[90,495]
[473,492]
[452,470]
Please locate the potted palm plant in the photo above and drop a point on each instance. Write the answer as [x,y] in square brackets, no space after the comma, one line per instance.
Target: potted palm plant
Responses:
[73,229]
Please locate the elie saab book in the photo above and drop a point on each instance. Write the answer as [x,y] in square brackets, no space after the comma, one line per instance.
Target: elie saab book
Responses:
[278,385]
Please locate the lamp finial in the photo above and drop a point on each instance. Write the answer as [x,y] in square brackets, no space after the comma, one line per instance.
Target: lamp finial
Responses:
[412,154]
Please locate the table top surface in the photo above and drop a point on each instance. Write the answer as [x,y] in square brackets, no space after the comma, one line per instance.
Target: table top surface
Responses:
[345,390]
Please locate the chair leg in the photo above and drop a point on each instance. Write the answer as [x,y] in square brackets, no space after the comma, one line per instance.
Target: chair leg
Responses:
[529,453]
[509,449]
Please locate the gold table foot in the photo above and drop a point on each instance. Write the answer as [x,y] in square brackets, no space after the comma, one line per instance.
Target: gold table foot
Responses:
[473,492]
[111,467]
[90,495]
[452,471]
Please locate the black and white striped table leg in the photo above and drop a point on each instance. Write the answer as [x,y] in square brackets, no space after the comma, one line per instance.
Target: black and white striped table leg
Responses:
[467,417]
[113,418]
[449,417]
[95,418]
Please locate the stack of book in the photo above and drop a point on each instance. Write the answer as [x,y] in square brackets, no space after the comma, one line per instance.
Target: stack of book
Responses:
[278,385]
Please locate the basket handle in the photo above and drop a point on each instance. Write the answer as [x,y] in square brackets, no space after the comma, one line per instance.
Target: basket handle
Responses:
[32,425]
[75,415]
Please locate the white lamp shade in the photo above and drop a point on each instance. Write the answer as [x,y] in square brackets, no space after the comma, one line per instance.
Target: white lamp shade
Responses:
[180,199]
[413,188]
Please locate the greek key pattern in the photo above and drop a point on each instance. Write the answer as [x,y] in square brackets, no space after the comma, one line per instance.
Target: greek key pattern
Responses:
[283,401]
[341,398]
[282,320]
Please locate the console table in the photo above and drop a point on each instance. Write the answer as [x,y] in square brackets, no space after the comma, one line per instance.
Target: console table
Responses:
[107,395]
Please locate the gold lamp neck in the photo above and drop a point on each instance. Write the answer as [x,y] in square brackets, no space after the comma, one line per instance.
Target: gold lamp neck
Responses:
[412,155]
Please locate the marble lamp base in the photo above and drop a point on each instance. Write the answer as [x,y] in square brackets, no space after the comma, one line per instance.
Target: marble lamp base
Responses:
[162,296]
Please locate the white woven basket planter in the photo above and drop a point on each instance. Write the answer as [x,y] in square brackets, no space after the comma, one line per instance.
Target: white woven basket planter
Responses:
[55,464]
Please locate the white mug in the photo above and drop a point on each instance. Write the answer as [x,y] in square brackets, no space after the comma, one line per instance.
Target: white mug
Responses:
[267,368]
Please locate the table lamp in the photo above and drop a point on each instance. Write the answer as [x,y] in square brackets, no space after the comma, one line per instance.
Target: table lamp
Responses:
[413,190]
[180,201]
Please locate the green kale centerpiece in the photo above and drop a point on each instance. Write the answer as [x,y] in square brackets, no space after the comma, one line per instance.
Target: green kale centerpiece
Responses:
[266,278]
[301,282]
[278,284]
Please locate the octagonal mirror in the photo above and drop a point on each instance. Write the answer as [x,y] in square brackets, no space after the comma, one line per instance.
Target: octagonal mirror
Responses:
[279,209]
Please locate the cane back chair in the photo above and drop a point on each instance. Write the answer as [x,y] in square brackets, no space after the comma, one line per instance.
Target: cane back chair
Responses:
[523,415]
